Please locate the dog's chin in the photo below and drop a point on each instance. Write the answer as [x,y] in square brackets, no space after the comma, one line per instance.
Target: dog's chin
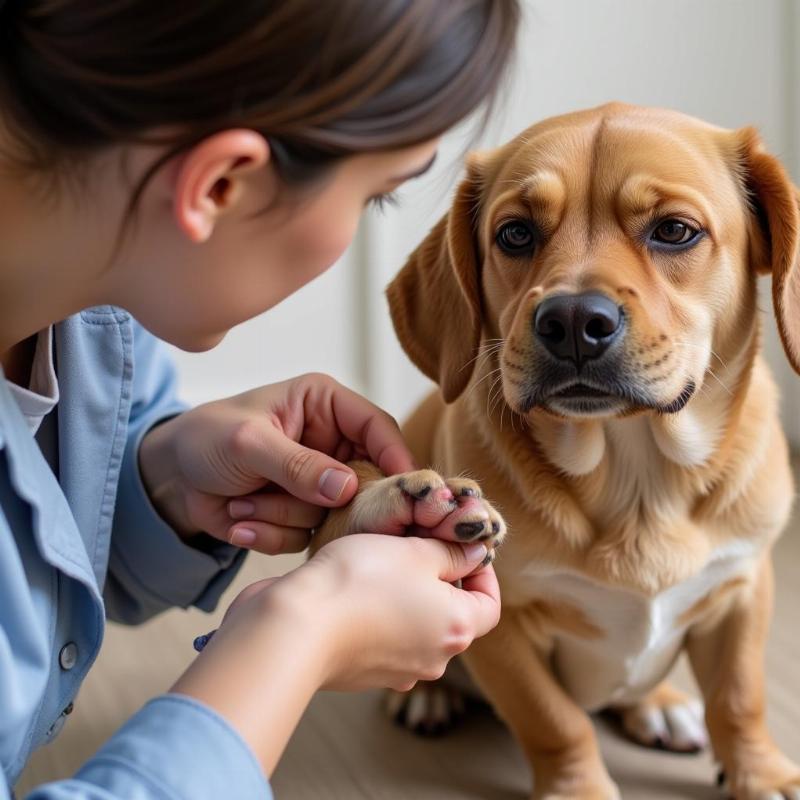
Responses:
[585,401]
[586,407]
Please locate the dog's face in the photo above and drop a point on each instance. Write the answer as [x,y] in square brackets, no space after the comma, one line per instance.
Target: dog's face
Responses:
[614,251]
[609,257]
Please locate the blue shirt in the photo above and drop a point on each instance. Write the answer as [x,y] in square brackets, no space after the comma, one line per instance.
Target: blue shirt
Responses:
[86,544]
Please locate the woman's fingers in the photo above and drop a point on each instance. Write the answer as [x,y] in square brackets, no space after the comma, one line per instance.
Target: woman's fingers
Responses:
[451,562]
[302,471]
[276,508]
[483,594]
[269,539]
[272,523]
[372,430]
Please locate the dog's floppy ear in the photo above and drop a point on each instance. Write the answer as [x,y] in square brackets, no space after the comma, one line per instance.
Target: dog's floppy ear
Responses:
[775,234]
[435,299]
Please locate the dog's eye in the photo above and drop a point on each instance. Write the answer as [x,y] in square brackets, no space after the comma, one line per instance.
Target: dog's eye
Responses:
[516,237]
[674,232]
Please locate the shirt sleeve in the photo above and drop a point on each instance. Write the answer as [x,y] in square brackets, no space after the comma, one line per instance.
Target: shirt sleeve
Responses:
[175,748]
[150,567]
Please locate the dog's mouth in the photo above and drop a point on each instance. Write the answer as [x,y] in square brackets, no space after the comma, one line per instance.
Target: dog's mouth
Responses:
[581,398]
[581,391]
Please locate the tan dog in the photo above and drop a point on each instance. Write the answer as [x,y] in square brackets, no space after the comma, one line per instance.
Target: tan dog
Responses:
[588,310]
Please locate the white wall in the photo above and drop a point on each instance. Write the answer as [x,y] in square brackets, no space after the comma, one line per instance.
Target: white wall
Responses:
[732,62]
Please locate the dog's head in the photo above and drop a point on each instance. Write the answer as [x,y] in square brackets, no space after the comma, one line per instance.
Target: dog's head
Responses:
[609,258]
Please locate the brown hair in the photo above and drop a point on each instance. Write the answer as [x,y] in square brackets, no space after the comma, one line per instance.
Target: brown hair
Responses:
[321,79]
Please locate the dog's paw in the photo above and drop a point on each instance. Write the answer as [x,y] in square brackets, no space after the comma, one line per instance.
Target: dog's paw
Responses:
[762,775]
[475,519]
[430,708]
[588,793]
[572,773]
[667,719]
[423,503]
[571,789]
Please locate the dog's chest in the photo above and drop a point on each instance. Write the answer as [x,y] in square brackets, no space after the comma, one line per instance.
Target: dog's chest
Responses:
[640,635]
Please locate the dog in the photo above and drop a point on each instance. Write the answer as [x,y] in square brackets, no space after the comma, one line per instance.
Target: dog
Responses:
[588,310]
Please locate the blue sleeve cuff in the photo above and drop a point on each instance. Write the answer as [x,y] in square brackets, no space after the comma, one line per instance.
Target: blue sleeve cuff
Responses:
[176,748]
[148,559]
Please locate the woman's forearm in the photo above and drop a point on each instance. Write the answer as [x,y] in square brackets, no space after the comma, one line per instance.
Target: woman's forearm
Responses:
[261,677]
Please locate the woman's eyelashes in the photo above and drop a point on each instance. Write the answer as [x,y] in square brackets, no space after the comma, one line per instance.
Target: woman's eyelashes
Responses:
[382,201]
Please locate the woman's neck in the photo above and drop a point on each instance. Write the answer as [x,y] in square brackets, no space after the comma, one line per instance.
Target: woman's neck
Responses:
[51,241]
[18,361]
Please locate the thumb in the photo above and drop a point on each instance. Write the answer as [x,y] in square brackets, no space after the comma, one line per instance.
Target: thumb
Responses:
[305,473]
[456,561]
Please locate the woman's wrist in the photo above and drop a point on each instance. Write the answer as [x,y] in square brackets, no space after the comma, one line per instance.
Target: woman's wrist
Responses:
[265,664]
[158,469]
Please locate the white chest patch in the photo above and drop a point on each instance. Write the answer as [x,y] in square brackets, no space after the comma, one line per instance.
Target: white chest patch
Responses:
[642,635]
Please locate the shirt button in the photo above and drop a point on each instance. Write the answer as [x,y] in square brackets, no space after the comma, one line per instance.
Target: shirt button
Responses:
[68,710]
[56,727]
[68,657]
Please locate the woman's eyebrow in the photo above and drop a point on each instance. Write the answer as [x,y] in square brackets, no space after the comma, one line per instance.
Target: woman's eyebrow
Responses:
[417,172]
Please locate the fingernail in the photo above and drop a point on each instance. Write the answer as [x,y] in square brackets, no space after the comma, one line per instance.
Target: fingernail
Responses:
[243,537]
[239,509]
[475,551]
[332,483]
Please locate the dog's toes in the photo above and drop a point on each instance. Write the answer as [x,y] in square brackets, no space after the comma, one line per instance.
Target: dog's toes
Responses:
[687,730]
[464,487]
[647,726]
[420,483]
[676,726]
[429,709]
[498,527]
[473,518]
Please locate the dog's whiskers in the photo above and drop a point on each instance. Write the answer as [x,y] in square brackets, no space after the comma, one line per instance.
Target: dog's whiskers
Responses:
[694,346]
[495,396]
[486,350]
[489,394]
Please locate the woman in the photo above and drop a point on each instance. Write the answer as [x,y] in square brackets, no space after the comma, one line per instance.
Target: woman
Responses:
[169,171]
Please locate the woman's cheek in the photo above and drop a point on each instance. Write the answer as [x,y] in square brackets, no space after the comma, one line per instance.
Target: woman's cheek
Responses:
[322,250]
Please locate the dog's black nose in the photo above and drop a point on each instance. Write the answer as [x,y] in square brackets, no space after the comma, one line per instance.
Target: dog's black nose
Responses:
[577,326]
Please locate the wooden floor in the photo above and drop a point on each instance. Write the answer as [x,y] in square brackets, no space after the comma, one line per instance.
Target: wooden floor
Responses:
[344,749]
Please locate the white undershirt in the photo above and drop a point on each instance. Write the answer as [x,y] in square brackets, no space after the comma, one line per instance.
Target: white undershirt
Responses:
[41,396]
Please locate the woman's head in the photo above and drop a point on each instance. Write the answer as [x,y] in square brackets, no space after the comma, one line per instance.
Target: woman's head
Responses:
[318,82]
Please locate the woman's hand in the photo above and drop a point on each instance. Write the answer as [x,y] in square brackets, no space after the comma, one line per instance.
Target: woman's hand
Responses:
[368,610]
[399,618]
[389,606]
[257,469]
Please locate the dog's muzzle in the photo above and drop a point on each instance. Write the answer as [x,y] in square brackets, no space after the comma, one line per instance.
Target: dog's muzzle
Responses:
[578,327]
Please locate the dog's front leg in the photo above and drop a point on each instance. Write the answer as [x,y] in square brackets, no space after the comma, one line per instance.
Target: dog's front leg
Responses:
[556,734]
[727,656]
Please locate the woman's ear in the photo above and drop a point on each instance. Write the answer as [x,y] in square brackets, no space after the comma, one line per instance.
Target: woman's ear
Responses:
[435,300]
[208,181]
[774,233]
